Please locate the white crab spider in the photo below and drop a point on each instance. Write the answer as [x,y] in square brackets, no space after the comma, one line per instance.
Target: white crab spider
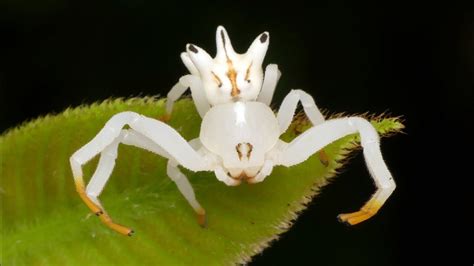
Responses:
[228,77]
[239,141]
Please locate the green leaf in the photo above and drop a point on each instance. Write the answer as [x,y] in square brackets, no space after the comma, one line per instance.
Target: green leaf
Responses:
[45,222]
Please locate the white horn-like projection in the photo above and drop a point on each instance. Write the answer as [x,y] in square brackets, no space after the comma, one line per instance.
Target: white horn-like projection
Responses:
[189,63]
[201,59]
[258,49]
[225,50]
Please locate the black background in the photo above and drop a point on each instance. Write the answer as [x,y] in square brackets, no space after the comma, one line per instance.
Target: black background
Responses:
[409,59]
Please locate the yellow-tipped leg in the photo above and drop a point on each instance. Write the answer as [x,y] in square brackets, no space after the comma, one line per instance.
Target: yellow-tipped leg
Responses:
[201,217]
[82,193]
[114,226]
[165,118]
[105,218]
[366,212]
[355,217]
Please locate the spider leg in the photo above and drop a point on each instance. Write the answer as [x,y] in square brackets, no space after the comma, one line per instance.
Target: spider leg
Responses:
[109,154]
[315,138]
[288,108]
[197,92]
[145,133]
[96,184]
[185,187]
[287,112]
[270,81]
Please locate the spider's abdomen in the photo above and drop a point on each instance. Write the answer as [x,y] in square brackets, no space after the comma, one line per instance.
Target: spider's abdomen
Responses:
[241,132]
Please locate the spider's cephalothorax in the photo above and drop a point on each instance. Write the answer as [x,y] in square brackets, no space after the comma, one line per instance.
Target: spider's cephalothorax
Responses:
[229,76]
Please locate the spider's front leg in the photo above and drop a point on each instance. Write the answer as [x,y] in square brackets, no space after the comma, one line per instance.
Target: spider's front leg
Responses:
[144,132]
[315,138]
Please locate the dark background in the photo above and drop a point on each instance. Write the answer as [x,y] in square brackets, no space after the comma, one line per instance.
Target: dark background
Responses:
[409,59]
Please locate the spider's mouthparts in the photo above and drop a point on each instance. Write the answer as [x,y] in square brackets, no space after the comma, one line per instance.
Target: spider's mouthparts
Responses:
[242,176]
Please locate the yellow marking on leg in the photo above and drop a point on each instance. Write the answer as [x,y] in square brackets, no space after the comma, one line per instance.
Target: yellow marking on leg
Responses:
[105,218]
[114,226]
[201,217]
[165,118]
[356,217]
[82,193]
[366,212]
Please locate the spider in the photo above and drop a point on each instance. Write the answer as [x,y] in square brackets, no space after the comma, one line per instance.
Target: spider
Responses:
[239,136]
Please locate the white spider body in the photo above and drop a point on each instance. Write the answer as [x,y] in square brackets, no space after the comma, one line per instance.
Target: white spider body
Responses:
[240,134]
[239,137]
